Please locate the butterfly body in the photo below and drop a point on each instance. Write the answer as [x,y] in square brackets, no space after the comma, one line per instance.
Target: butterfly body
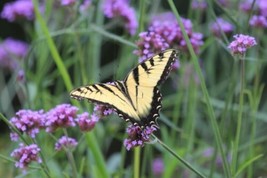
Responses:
[136,99]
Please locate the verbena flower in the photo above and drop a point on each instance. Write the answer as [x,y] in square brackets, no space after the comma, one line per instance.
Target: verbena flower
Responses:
[67,2]
[158,167]
[21,75]
[65,142]
[11,51]
[17,10]
[24,155]
[101,110]
[262,5]
[246,5]
[241,43]
[209,152]
[199,4]
[164,32]
[221,26]
[85,5]
[258,21]
[121,9]
[62,115]
[86,122]
[149,44]
[27,121]
[137,136]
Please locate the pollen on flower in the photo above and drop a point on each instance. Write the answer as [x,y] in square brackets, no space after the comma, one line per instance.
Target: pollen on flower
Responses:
[241,43]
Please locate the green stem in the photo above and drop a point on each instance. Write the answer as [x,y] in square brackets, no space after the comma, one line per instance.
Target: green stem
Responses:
[137,154]
[211,113]
[239,117]
[179,158]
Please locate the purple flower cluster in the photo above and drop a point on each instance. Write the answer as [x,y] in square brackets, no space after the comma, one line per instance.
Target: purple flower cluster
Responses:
[137,136]
[199,4]
[102,110]
[158,167]
[61,116]
[65,142]
[24,155]
[27,121]
[85,5]
[241,43]
[260,8]
[86,122]
[121,8]
[17,10]
[221,26]
[164,32]
[11,51]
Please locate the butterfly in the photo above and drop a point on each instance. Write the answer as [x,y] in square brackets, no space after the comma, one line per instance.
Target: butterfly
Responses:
[137,98]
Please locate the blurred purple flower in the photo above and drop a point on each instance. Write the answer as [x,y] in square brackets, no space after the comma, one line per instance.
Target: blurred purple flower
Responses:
[67,2]
[61,116]
[11,51]
[25,155]
[85,5]
[241,43]
[18,9]
[225,3]
[86,122]
[208,153]
[149,44]
[221,26]
[65,142]
[21,75]
[246,5]
[199,4]
[262,4]
[158,167]
[258,21]
[137,136]
[121,8]
[27,121]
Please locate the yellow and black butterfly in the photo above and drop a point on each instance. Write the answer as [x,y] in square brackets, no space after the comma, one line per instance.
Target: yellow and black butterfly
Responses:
[136,99]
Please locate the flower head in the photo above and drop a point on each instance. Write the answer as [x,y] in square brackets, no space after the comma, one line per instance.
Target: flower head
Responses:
[199,4]
[24,155]
[18,9]
[137,136]
[86,122]
[65,142]
[241,43]
[102,110]
[27,121]
[61,116]
[258,21]
[221,25]
[11,51]
[158,167]
[121,8]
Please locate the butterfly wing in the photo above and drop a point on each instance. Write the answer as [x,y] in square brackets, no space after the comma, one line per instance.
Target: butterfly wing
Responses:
[141,85]
[107,94]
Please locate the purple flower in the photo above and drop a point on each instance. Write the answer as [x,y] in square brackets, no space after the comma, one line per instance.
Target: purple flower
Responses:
[101,110]
[67,2]
[25,155]
[246,5]
[11,51]
[262,4]
[85,122]
[149,44]
[209,152]
[18,9]
[241,43]
[164,32]
[158,167]
[85,5]
[61,116]
[21,75]
[137,136]
[221,26]
[121,8]
[258,21]
[199,4]
[27,121]
[65,142]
